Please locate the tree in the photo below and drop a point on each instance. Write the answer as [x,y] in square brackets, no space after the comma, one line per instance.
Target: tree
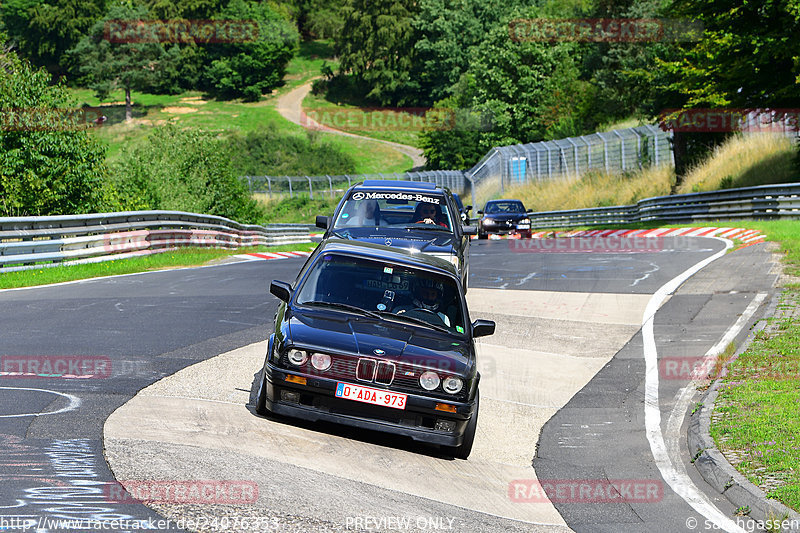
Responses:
[318,19]
[248,69]
[530,90]
[114,55]
[748,56]
[44,30]
[376,46]
[49,164]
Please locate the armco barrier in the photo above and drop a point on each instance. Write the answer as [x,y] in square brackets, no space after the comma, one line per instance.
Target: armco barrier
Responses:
[763,202]
[36,242]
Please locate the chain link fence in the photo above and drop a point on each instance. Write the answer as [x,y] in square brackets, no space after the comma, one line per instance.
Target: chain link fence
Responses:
[613,151]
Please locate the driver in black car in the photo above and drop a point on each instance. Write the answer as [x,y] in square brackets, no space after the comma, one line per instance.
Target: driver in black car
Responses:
[427,296]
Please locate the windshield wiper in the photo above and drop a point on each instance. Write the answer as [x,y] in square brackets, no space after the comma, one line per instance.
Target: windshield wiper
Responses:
[419,321]
[346,307]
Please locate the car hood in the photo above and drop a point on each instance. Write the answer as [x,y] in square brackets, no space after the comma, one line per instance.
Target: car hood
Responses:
[426,241]
[503,217]
[334,332]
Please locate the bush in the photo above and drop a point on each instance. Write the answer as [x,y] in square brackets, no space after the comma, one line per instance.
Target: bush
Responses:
[268,153]
[184,170]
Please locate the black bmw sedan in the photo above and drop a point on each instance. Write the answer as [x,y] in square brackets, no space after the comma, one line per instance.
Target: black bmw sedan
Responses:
[377,338]
[503,217]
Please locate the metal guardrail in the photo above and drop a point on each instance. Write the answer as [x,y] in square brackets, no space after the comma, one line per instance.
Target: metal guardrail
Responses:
[36,242]
[762,202]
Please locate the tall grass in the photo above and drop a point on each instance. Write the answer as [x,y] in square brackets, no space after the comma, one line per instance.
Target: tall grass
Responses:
[745,161]
[741,161]
[594,189]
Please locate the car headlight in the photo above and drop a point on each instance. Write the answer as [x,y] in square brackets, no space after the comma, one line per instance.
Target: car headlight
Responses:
[429,380]
[297,357]
[452,385]
[321,361]
[525,221]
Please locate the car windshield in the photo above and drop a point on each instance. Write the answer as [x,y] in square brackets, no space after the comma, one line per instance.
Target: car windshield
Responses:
[394,209]
[392,291]
[504,207]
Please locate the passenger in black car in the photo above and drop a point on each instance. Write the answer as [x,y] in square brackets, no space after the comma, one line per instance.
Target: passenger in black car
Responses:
[369,214]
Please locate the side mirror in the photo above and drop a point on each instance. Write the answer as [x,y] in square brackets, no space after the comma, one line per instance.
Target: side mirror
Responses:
[470,230]
[482,328]
[467,209]
[281,289]
[480,212]
[322,221]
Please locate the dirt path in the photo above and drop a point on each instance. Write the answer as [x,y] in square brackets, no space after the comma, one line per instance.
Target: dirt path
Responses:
[290,106]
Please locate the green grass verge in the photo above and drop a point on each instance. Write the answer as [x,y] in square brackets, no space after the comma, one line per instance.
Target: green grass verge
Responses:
[756,421]
[183,257]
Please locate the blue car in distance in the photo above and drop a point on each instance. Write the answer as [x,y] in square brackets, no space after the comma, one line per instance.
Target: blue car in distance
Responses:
[378,338]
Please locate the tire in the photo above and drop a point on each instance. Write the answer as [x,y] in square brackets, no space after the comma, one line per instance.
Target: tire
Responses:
[261,399]
[483,235]
[463,451]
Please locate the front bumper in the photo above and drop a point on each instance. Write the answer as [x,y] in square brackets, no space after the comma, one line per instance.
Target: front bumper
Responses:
[317,401]
[501,228]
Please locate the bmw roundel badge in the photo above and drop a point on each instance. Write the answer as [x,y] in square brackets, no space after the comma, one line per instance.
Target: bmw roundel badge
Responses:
[378,351]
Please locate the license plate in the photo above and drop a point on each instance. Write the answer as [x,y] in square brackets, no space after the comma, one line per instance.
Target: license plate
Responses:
[358,393]
[523,226]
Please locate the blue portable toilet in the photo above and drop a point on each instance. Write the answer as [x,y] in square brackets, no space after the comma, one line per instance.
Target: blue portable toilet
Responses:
[518,165]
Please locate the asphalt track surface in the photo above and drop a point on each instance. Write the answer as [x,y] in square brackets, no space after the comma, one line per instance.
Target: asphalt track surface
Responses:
[152,325]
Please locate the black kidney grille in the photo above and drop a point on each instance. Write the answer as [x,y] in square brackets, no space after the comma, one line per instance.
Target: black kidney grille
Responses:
[365,371]
[385,373]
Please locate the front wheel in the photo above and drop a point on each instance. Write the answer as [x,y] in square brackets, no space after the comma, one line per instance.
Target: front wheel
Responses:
[463,451]
[482,235]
